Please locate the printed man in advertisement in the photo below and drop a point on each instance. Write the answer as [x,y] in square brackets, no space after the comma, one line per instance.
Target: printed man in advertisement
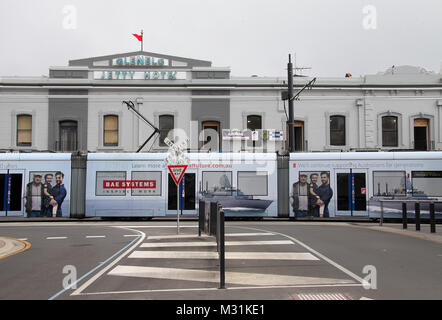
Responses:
[34,197]
[58,192]
[299,196]
[325,193]
[313,196]
[47,190]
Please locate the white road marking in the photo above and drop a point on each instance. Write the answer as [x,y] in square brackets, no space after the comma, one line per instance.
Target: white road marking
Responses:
[249,234]
[142,227]
[183,236]
[131,235]
[239,278]
[336,265]
[176,236]
[228,255]
[216,289]
[91,237]
[55,238]
[213,244]
[24,239]
[110,265]
[321,296]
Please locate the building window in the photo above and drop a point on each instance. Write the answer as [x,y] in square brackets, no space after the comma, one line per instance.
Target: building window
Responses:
[24,130]
[254,122]
[337,130]
[68,135]
[389,131]
[110,132]
[165,125]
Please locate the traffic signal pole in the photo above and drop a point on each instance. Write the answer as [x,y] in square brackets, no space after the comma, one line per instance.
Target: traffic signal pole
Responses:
[291,112]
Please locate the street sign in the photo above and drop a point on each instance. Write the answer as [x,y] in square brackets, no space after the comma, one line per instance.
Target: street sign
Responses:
[176,162]
[177,172]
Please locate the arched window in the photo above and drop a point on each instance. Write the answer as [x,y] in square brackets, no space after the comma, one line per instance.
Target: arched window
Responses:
[254,122]
[389,131]
[110,131]
[337,130]
[165,125]
[24,130]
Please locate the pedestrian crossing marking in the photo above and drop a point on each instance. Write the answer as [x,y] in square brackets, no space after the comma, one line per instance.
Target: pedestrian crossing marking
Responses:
[235,278]
[228,255]
[321,296]
[251,234]
[177,236]
[185,236]
[213,244]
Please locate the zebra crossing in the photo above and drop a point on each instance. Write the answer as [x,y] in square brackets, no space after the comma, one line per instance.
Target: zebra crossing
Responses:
[254,259]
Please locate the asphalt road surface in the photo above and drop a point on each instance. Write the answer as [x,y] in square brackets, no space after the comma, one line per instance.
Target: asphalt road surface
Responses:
[264,260]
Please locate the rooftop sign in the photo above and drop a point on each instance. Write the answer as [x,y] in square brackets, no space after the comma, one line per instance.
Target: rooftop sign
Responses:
[139,75]
[140,61]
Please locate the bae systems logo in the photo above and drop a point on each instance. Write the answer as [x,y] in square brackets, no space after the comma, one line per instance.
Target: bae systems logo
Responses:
[129,184]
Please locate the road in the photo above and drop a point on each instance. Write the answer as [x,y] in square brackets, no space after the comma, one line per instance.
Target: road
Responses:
[264,260]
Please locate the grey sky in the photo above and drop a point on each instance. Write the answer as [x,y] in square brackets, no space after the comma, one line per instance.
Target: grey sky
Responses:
[250,36]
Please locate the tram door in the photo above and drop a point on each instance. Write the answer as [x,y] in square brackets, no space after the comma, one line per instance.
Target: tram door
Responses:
[11,193]
[351,192]
[188,192]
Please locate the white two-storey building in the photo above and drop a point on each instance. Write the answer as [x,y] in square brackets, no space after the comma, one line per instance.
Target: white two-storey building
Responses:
[80,107]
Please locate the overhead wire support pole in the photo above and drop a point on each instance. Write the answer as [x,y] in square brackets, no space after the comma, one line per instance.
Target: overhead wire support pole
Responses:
[307,86]
[290,98]
[131,106]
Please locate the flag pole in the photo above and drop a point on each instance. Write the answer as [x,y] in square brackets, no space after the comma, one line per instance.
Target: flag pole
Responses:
[142,39]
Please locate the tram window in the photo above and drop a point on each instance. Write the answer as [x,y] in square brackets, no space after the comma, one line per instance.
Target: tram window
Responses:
[252,183]
[47,176]
[389,183]
[217,183]
[146,183]
[427,183]
[110,183]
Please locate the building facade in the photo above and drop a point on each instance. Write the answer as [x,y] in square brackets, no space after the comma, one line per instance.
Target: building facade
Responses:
[80,107]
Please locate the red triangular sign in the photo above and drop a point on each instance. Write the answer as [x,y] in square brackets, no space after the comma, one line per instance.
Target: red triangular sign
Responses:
[177,172]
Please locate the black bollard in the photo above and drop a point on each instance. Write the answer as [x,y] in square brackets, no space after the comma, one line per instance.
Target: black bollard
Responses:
[432,219]
[222,260]
[417,210]
[404,215]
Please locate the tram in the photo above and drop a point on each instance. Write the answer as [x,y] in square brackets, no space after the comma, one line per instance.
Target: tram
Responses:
[348,184]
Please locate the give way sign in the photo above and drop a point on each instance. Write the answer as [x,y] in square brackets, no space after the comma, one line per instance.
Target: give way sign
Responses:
[177,172]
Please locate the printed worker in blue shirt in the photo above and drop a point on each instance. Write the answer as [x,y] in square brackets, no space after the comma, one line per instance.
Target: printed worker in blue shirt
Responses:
[325,193]
[58,192]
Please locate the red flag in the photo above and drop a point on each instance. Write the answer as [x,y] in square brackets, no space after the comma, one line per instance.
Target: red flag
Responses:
[140,38]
